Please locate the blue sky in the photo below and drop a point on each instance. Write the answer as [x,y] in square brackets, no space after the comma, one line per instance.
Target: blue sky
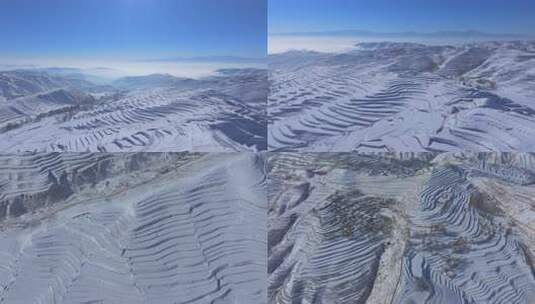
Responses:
[495,16]
[132,29]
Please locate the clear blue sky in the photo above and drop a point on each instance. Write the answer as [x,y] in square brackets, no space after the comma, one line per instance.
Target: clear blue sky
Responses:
[132,28]
[496,16]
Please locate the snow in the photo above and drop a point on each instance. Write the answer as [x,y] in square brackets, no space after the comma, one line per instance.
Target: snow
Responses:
[149,228]
[404,97]
[222,113]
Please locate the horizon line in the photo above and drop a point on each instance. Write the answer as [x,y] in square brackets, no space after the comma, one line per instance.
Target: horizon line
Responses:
[213,59]
[441,33]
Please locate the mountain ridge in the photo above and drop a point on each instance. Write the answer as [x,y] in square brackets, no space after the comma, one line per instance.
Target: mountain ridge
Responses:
[437,34]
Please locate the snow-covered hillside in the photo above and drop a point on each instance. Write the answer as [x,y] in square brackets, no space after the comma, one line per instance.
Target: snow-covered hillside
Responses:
[401,228]
[133,228]
[224,112]
[388,96]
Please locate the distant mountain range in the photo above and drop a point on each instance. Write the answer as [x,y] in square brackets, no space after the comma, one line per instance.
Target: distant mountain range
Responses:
[439,34]
[150,81]
[24,82]
[19,83]
[218,59]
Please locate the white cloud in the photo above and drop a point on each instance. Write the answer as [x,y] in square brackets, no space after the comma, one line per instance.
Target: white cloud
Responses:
[281,44]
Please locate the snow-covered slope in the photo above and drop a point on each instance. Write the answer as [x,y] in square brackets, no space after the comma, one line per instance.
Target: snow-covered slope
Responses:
[404,97]
[401,228]
[20,83]
[133,228]
[156,113]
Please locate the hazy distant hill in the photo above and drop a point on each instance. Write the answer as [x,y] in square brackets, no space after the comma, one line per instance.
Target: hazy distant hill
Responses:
[439,34]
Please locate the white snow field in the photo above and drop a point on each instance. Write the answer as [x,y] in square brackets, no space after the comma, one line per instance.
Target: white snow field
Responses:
[401,228]
[390,96]
[133,228]
[45,112]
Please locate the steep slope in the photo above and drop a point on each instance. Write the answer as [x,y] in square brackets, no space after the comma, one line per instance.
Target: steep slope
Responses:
[404,97]
[140,228]
[18,83]
[156,113]
[407,228]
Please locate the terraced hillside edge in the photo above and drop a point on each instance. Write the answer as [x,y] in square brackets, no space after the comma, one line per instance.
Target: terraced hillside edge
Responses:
[401,228]
[156,113]
[133,228]
[404,97]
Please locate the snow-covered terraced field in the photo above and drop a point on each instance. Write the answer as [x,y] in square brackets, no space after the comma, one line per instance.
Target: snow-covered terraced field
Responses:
[401,228]
[409,97]
[133,228]
[155,113]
